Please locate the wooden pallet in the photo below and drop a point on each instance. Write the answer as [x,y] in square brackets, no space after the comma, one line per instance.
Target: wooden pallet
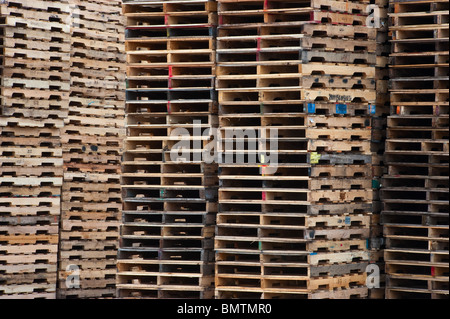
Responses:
[36,92]
[168,205]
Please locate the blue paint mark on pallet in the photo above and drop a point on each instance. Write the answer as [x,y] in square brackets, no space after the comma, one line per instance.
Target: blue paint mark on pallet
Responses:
[341,108]
[311,108]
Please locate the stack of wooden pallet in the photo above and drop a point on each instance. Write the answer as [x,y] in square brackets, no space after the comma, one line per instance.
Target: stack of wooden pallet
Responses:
[92,143]
[306,69]
[415,190]
[35,46]
[169,192]
[379,120]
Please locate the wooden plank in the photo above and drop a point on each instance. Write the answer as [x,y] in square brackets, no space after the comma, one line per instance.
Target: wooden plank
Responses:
[31,181]
[29,289]
[32,152]
[341,146]
[28,239]
[341,195]
[334,184]
[338,221]
[359,292]
[29,249]
[338,134]
[337,258]
[338,233]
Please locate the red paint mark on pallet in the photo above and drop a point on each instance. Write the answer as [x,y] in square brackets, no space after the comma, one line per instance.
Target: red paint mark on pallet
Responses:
[263,170]
[258,48]
[170,77]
